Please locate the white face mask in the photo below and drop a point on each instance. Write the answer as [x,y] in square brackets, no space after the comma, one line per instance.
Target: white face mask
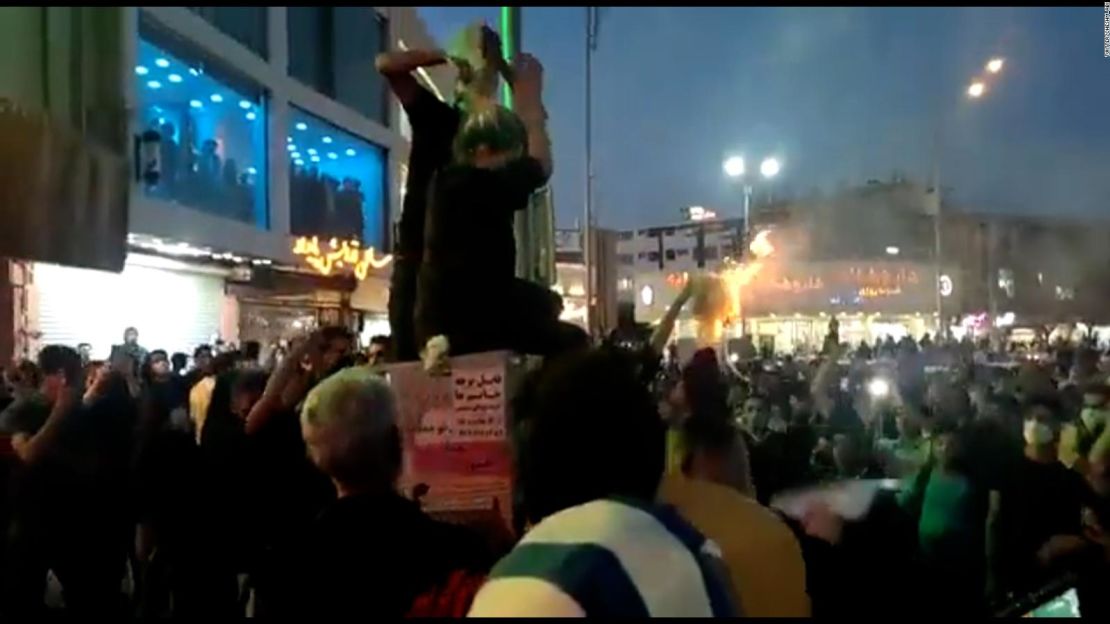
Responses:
[1037,433]
[1093,418]
[777,424]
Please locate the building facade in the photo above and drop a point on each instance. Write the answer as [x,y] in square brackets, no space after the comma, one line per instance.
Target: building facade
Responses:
[267,173]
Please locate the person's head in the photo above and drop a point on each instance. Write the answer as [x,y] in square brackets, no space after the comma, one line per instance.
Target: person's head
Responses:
[715,451]
[157,366]
[850,454]
[982,452]
[179,361]
[702,391]
[84,349]
[251,351]
[246,391]
[25,376]
[490,137]
[378,351]
[336,349]
[1041,424]
[61,368]
[130,336]
[586,429]
[202,358]
[349,424]
[1095,413]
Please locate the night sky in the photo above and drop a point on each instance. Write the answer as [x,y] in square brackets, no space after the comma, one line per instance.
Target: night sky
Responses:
[839,95]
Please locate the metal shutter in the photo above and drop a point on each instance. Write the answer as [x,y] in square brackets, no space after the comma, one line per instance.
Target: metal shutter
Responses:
[173,310]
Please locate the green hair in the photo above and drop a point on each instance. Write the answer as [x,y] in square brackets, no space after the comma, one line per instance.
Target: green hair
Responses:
[495,127]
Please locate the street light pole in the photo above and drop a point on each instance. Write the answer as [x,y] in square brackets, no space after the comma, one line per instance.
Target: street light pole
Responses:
[587,210]
[975,91]
[942,326]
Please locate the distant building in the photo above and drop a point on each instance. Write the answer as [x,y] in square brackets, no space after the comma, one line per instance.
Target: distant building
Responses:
[570,280]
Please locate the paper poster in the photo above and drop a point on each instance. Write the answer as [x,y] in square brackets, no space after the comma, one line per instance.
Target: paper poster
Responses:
[479,405]
[456,448]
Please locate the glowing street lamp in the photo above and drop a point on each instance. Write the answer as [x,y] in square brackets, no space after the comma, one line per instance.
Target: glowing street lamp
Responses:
[770,167]
[995,65]
[976,89]
[734,166]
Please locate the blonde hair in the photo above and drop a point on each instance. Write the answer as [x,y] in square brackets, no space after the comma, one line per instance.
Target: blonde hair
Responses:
[492,126]
[358,411]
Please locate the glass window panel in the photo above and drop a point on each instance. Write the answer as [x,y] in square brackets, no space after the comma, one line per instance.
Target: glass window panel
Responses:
[309,56]
[359,36]
[211,129]
[336,182]
[247,25]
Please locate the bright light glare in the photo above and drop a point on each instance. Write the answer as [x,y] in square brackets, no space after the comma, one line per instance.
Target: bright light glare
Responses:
[163,63]
[995,65]
[244,104]
[770,167]
[174,78]
[154,84]
[878,388]
[892,250]
[326,139]
[734,357]
[251,116]
[349,152]
[217,98]
[196,103]
[140,70]
[302,126]
[333,155]
[976,89]
[734,167]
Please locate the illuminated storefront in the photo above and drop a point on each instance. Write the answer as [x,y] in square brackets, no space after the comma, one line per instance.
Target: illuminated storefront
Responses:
[336,182]
[789,306]
[205,128]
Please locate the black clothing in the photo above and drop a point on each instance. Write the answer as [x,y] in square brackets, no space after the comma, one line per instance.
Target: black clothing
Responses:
[434,125]
[69,509]
[1044,500]
[469,233]
[466,289]
[372,555]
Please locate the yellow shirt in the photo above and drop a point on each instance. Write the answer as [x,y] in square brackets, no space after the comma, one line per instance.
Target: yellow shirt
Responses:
[199,399]
[762,554]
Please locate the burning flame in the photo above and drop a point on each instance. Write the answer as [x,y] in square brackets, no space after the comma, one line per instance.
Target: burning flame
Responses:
[761,246]
[732,280]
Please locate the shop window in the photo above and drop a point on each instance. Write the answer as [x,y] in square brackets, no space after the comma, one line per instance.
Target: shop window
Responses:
[332,50]
[710,253]
[669,254]
[336,182]
[653,256]
[247,25]
[681,253]
[211,130]
[625,259]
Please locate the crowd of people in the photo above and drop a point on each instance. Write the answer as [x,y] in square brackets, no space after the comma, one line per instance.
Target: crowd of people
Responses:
[231,487]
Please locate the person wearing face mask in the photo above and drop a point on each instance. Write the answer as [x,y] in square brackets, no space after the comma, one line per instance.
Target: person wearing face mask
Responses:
[1040,511]
[1078,438]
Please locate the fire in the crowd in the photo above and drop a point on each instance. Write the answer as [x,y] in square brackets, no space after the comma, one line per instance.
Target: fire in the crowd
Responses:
[719,302]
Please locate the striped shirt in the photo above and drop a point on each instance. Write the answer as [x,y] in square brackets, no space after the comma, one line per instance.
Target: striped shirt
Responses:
[609,558]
